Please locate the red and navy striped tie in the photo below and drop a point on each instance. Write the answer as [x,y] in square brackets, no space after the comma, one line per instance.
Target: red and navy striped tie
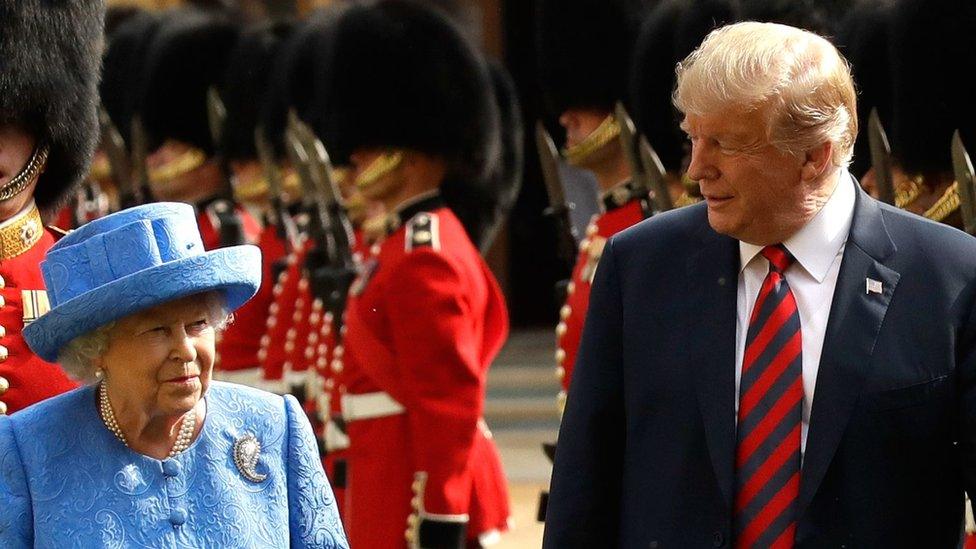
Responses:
[767,458]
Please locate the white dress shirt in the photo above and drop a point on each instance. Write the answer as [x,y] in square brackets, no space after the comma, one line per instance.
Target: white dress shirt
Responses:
[818,248]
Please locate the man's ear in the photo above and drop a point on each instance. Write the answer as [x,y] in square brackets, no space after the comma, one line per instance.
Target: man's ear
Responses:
[817,161]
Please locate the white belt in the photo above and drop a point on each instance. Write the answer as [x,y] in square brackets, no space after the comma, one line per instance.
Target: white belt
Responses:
[369,406]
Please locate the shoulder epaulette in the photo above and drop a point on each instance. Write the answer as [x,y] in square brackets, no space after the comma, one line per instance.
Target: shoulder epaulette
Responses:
[423,231]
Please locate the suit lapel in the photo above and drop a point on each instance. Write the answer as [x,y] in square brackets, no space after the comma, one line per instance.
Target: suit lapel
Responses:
[856,315]
[713,282]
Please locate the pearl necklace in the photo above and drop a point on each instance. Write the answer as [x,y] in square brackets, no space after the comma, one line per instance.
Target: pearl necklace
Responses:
[187,425]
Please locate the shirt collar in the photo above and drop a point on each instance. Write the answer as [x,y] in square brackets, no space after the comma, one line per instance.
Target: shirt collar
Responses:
[819,241]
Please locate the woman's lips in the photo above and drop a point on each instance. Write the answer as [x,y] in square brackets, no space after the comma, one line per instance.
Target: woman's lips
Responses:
[183,380]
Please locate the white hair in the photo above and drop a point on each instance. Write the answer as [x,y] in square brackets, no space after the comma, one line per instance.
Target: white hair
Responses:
[799,77]
[78,356]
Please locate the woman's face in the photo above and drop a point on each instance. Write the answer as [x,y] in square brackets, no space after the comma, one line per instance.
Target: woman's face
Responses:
[160,360]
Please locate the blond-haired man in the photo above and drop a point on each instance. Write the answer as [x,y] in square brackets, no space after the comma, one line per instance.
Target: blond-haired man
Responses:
[790,363]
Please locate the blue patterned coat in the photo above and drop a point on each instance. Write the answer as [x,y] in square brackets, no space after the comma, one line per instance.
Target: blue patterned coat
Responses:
[66,481]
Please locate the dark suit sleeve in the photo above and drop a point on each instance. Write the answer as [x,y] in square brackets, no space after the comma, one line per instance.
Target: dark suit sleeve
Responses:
[584,501]
[966,361]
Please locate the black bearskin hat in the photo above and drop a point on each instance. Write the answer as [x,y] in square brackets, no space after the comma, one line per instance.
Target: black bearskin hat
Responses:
[486,206]
[122,68]
[669,34]
[245,86]
[403,76]
[583,51]
[298,81]
[50,53]
[862,37]
[187,55]
[932,42]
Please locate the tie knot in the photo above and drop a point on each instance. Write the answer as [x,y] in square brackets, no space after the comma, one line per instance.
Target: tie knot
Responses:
[779,257]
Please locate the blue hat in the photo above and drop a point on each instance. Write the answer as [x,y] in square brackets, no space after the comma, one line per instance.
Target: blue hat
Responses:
[133,260]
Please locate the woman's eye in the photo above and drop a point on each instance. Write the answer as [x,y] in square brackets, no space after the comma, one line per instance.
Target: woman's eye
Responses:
[199,326]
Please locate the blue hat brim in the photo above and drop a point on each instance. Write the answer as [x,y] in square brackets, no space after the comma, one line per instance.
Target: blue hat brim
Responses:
[234,271]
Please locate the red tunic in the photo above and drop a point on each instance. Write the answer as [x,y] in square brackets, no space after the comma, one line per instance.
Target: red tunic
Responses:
[24,377]
[238,347]
[292,302]
[573,312]
[424,321]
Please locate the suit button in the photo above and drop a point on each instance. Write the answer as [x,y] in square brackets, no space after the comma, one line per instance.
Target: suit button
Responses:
[718,539]
[3,353]
[4,385]
[3,302]
[3,332]
[177,517]
[3,408]
[3,283]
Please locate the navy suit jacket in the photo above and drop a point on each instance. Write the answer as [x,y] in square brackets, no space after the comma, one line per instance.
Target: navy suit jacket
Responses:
[646,448]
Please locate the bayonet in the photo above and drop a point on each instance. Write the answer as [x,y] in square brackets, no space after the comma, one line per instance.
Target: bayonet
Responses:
[880,158]
[216,120]
[654,170]
[140,170]
[284,224]
[639,179]
[558,210]
[118,159]
[962,166]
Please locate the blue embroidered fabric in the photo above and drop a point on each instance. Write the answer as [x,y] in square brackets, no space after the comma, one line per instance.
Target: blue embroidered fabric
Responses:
[66,481]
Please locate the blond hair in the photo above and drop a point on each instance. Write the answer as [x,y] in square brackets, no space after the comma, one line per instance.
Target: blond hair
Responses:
[799,77]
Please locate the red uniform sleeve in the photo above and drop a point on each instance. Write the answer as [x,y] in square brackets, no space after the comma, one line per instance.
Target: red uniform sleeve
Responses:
[437,349]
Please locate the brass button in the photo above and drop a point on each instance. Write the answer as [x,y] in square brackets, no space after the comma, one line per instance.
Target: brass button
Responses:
[570,288]
[3,302]
[565,311]
[3,332]
[561,329]
[560,356]
[337,366]
[3,408]
[3,353]
[560,373]
[3,283]
[4,385]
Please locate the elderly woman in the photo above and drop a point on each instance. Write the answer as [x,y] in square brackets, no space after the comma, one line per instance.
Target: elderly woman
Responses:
[154,453]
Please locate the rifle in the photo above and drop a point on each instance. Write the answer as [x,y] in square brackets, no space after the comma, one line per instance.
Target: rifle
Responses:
[558,210]
[330,266]
[140,170]
[962,166]
[118,161]
[284,225]
[880,158]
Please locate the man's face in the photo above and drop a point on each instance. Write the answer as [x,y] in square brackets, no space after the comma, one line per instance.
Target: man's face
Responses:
[753,190]
[579,123]
[16,146]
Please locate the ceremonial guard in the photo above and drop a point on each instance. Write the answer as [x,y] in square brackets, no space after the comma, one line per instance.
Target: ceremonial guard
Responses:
[49,59]
[929,44]
[186,57]
[669,32]
[411,107]
[257,180]
[584,51]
